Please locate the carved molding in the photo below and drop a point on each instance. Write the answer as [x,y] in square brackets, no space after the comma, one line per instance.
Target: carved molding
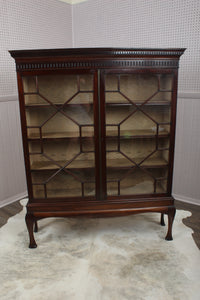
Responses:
[146,52]
[98,64]
[87,53]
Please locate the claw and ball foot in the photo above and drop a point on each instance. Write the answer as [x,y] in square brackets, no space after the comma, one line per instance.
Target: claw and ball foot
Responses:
[171,214]
[30,223]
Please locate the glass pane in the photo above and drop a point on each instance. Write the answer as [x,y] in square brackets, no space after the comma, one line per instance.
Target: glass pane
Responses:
[132,86]
[158,114]
[137,182]
[163,143]
[138,116]
[83,98]
[166,82]
[57,89]
[127,88]
[161,97]
[68,183]
[134,148]
[89,189]
[30,84]
[162,186]
[35,116]
[86,82]
[88,144]
[38,191]
[60,126]
[112,188]
[137,124]
[115,97]
[35,99]
[111,130]
[65,123]
[62,185]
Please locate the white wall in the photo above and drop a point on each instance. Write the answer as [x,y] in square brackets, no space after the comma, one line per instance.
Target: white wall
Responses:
[186,185]
[27,24]
[132,23]
[142,23]
[156,23]
[24,24]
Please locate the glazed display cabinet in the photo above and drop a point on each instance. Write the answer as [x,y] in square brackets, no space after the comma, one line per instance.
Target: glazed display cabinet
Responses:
[98,129]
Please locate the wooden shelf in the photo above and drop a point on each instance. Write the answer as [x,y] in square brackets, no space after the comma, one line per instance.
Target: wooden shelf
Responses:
[143,133]
[90,164]
[58,135]
[76,164]
[125,163]
[58,105]
[139,103]
[125,134]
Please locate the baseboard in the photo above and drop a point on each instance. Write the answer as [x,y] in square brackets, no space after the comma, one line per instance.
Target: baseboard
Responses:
[13,199]
[187,199]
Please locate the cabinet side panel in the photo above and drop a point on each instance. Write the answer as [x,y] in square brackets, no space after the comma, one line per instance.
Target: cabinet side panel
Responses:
[24,135]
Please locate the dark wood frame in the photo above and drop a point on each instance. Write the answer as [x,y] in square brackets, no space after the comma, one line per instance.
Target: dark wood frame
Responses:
[97,61]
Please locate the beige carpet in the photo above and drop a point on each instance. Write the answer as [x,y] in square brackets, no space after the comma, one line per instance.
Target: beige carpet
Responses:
[99,259]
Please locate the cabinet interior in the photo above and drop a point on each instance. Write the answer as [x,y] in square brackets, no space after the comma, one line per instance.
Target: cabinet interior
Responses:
[60,129]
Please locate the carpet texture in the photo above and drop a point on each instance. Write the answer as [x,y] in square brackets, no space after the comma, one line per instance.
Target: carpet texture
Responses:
[99,259]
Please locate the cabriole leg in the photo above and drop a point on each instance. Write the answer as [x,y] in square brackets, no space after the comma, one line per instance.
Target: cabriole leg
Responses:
[162,221]
[171,215]
[36,227]
[29,223]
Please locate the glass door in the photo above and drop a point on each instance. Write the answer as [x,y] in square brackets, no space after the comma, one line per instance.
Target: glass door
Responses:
[137,130]
[60,117]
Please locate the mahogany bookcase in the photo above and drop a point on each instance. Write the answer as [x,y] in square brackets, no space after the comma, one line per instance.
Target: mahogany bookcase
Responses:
[98,128]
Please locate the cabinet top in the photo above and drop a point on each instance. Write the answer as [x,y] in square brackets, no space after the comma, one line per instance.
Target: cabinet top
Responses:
[95,58]
[98,52]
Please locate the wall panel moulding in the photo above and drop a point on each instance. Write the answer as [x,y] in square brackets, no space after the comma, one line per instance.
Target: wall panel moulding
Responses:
[73,1]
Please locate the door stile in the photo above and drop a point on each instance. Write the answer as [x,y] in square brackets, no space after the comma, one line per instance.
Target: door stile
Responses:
[97,137]
[101,89]
[172,131]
